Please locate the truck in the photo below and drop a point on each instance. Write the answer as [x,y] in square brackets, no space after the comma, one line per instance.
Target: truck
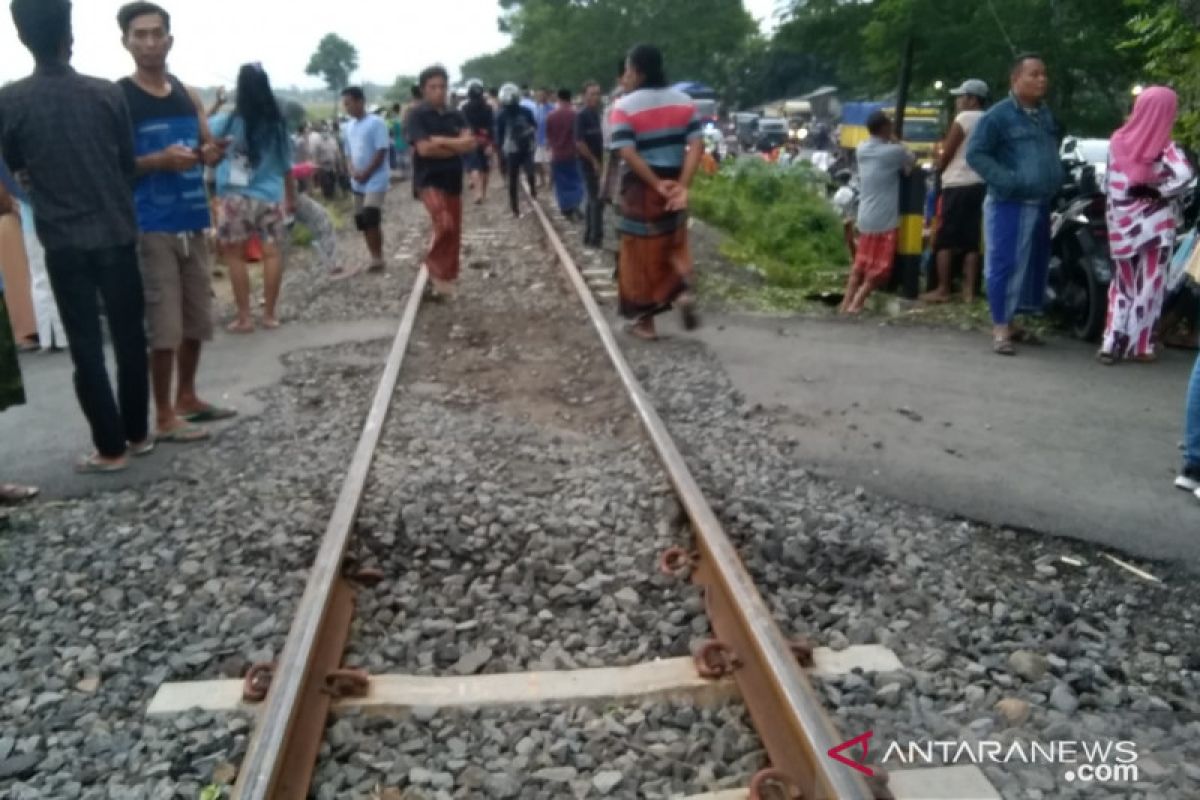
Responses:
[922,127]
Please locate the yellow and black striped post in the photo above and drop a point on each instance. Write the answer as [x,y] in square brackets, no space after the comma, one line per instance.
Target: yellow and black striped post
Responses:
[906,271]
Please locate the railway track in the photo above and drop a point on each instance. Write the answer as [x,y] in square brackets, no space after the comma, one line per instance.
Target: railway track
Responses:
[742,652]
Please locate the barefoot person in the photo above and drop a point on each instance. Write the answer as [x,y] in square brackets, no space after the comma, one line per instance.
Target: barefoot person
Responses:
[963,193]
[656,132]
[254,183]
[172,143]
[440,136]
[367,148]
[71,133]
[882,161]
[1147,172]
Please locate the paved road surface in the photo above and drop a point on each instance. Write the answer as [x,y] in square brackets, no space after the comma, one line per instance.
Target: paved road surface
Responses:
[40,441]
[1049,441]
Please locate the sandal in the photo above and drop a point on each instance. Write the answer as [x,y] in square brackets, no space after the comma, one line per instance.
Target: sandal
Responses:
[13,493]
[1003,347]
[183,434]
[142,449]
[209,413]
[93,465]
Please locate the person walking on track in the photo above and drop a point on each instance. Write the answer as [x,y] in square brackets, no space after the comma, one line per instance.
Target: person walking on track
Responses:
[589,136]
[1015,150]
[564,156]
[71,134]
[516,131]
[656,132]
[1147,172]
[367,149]
[255,191]
[482,122]
[441,137]
[172,143]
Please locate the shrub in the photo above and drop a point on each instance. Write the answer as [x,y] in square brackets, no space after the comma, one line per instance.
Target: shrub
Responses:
[777,219]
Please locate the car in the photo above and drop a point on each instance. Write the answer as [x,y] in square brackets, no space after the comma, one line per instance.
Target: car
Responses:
[1086,151]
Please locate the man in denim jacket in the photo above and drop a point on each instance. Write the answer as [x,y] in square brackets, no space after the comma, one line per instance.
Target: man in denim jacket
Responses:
[1015,150]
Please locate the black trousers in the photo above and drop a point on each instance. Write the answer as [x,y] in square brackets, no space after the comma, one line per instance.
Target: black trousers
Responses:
[593,234]
[81,280]
[515,164]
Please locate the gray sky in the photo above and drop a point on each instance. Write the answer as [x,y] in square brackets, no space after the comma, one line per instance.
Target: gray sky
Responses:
[214,37]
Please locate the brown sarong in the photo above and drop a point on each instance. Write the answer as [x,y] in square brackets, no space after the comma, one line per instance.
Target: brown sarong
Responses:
[655,265]
[445,249]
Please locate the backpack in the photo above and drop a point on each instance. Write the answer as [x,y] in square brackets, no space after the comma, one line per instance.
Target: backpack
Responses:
[520,134]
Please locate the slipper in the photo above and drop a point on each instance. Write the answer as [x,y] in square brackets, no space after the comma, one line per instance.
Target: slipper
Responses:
[210,413]
[143,449]
[13,493]
[92,465]
[1003,347]
[184,434]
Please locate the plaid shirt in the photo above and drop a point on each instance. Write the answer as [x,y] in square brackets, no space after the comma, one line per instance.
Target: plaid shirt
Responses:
[72,134]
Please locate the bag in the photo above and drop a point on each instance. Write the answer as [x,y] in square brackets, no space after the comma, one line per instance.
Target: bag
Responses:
[520,134]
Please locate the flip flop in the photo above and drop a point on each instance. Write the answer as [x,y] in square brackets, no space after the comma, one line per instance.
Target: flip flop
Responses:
[210,413]
[143,449]
[1003,347]
[184,434]
[92,465]
[13,493]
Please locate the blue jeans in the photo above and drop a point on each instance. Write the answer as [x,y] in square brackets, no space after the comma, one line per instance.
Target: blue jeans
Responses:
[1192,423]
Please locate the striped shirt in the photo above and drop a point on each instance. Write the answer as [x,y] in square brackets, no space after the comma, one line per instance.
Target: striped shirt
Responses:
[659,123]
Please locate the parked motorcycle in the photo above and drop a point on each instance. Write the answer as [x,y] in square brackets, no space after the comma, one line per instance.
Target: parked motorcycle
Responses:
[1080,265]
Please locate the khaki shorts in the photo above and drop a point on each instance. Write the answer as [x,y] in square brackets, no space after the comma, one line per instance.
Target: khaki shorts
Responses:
[177,278]
[369,200]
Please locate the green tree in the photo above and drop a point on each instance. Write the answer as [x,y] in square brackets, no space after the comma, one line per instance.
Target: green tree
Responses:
[1167,38]
[401,89]
[334,61]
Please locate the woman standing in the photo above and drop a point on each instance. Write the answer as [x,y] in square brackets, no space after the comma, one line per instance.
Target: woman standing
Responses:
[253,183]
[656,133]
[482,121]
[1147,171]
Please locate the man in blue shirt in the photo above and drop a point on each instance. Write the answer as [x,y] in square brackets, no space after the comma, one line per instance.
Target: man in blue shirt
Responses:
[367,149]
[172,143]
[1015,150]
[541,157]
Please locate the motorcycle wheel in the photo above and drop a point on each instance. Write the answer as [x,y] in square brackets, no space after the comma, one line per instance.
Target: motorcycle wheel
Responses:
[1089,306]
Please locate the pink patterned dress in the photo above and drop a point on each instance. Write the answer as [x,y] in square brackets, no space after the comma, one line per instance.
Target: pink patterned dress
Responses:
[1141,234]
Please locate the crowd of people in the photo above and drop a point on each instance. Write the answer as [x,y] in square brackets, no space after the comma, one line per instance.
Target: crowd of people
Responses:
[121,185]
[999,171]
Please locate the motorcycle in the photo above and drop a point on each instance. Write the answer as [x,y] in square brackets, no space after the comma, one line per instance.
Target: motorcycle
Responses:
[1080,265]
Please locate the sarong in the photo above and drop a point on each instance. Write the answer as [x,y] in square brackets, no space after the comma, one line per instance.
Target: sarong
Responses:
[1018,257]
[568,185]
[12,392]
[445,249]
[655,262]
[874,255]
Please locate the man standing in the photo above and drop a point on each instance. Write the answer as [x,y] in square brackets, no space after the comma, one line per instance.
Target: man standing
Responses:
[170,134]
[589,135]
[440,136]
[963,193]
[71,133]
[881,162]
[367,147]
[564,156]
[515,133]
[541,157]
[1015,150]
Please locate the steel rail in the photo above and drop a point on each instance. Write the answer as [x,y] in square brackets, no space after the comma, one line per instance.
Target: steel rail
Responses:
[789,718]
[282,753]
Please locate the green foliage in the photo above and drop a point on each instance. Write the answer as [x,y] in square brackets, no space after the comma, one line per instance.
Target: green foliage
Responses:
[778,220]
[1165,35]
[335,60]
[211,792]
[401,89]
[294,113]
[560,43]
[301,235]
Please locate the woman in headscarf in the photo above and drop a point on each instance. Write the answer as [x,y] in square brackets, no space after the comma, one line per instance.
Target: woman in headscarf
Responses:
[1147,172]
[657,134]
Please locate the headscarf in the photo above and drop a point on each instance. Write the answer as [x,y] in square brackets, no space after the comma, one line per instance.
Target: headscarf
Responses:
[1140,142]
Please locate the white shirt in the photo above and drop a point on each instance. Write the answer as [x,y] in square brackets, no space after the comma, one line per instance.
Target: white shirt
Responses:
[959,173]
